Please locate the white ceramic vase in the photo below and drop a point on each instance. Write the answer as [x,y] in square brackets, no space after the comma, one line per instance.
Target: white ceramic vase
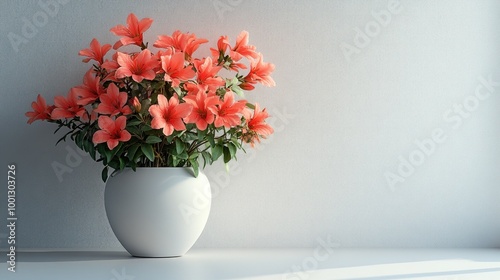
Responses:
[157,212]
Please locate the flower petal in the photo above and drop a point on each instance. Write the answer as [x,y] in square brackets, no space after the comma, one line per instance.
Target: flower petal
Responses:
[100,136]
[106,124]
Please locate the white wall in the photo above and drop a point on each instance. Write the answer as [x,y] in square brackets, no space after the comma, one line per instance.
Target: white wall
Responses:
[342,122]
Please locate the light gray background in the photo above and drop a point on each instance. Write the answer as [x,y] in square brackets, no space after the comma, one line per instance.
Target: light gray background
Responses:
[346,123]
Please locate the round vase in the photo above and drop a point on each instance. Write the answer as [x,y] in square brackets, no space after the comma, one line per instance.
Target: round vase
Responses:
[157,212]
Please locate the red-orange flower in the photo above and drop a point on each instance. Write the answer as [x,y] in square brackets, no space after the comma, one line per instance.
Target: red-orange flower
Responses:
[111,66]
[256,127]
[139,67]
[95,52]
[242,48]
[222,45]
[90,90]
[112,132]
[168,114]
[173,65]
[133,32]
[68,107]
[113,102]
[228,112]
[40,110]
[260,71]
[204,106]
[220,52]
[207,73]
[181,42]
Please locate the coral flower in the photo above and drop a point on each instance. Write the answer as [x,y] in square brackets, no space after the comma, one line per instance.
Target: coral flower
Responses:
[260,71]
[227,112]
[113,102]
[220,52]
[204,107]
[168,114]
[40,110]
[90,90]
[111,66]
[242,48]
[181,42]
[257,127]
[207,73]
[139,67]
[95,52]
[173,65]
[68,107]
[133,32]
[112,132]
[222,45]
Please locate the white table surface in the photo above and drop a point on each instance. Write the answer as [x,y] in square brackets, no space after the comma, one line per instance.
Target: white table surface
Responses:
[260,264]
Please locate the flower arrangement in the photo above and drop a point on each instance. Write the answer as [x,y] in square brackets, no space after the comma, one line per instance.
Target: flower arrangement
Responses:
[165,108]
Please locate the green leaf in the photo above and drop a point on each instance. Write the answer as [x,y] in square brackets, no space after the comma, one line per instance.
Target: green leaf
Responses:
[101,151]
[137,155]
[148,151]
[115,164]
[211,140]
[122,163]
[153,139]
[236,89]
[108,154]
[184,155]
[171,137]
[227,155]
[190,137]
[133,123]
[132,150]
[232,149]
[104,174]
[145,104]
[201,134]
[92,150]
[207,158]
[236,142]
[196,166]
[146,127]
[179,146]
[178,91]
[175,161]
[134,130]
[194,155]
[251,106]
[79,138]
[216,152]
[89,148]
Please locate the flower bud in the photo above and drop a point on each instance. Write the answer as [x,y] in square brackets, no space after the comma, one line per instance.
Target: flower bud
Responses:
[136,104]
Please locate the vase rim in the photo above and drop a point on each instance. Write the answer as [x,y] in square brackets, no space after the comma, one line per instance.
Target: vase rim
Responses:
[162,167]
[165,169]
